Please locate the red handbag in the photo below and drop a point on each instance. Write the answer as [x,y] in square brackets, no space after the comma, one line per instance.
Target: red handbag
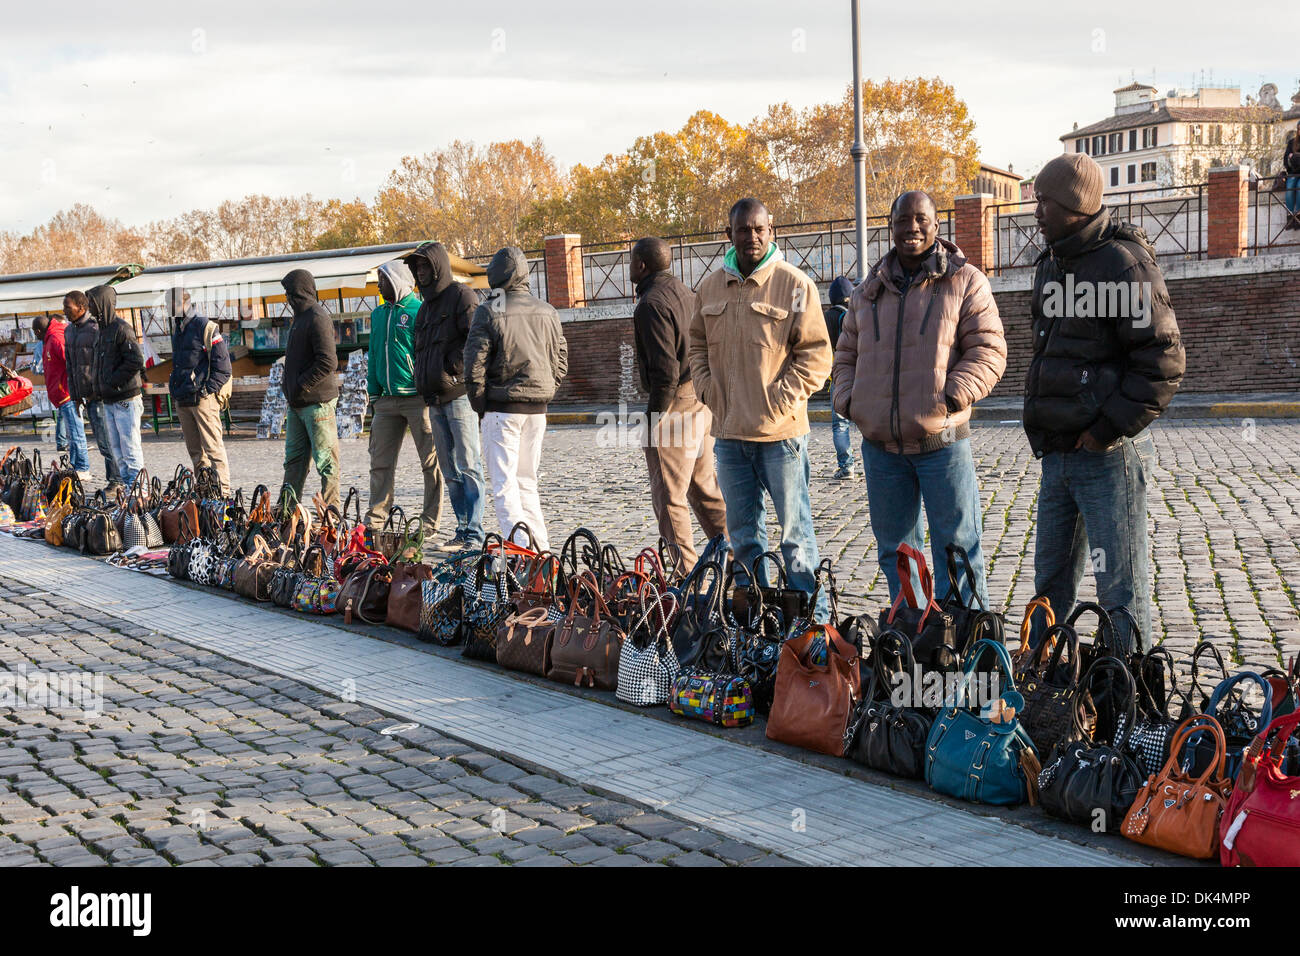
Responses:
[1262,824]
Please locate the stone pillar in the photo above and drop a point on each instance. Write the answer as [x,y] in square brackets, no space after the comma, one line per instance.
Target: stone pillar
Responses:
[1228,196]
[975,230]
[564,285]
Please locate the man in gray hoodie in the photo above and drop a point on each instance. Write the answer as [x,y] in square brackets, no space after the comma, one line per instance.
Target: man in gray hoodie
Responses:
[515,359]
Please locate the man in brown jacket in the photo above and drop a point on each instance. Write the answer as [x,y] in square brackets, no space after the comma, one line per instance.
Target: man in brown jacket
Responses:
[921,344]
[758,349]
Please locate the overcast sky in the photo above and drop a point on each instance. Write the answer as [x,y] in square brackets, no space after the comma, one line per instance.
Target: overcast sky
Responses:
[148,109]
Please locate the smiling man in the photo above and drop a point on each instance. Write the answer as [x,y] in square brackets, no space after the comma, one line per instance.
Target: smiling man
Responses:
[1098,377]
[758,348]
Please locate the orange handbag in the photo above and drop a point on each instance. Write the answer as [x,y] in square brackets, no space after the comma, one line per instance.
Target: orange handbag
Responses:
[1175,812]
[817,687]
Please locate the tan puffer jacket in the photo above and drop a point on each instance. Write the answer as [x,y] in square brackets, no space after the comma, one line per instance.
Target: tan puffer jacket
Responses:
[909,365]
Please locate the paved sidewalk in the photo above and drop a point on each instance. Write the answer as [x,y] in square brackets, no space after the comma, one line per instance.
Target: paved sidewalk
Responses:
[803,812]
[200,760]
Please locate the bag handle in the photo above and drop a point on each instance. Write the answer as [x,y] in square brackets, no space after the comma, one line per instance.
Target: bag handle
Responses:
[1001,658]
[1058,638]
[586,581]
[582,546]
[1038,603]
[893,642]
[1146,697]
[773,558]
[1197,724]
[395,521]
[956,556]
[1226,688]
[1106,639]
[647,562]
[907,555]
[671,560]
[1201,647]
[825,570]
[528,536]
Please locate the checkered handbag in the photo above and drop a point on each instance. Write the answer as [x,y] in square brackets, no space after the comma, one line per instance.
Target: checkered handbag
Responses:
[485,612]
[647,666]
[1154,724]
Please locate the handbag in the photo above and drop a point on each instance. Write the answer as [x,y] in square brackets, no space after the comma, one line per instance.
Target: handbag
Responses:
[791,603]
[713,694]
[817,686]
[756,646]
[1049,688]
[99,533]
[587,645]
[985,759]
[179,497]
[931,629]
[489,606]
[1238,722]
[252,574]
[524,641]
[284,579]
[647,666]
[1262,824]
[701,614]
[1179,811]
[316,590]
[1091,781]
[963,613]
[1105,640]
[60,508]
[442,600]
[404,593]
[365,594]
[389,540]
[1147,738]
[888,733]
[1023,654]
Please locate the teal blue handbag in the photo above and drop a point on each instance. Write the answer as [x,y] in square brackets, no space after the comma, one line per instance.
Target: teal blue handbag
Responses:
[972,757]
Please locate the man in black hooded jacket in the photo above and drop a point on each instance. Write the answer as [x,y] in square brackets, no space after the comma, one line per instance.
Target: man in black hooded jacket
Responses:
[118,363]
[1107,360]
[311,390]
[79,342]
[441,328]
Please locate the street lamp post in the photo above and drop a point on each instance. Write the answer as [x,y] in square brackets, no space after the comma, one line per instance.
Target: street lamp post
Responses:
[859,151]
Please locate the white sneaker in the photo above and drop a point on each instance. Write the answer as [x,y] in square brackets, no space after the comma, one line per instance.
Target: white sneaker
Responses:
[85,476]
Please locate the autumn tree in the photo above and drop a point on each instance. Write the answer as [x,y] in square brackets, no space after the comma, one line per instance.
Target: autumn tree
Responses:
[73,238]
[473,199]
[347,225]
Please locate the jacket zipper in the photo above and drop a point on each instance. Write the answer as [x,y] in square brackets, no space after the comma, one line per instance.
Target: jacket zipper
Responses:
[895,417]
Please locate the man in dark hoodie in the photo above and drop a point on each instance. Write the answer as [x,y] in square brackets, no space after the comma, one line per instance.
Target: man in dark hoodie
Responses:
[311,390]
[398,408]
[118,363]
[441,329]
[200,383]
[515,359]
[841,289]
[79,342]
[1107,359]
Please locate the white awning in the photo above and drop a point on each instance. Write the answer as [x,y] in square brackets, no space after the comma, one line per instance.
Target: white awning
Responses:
[253,280]
[45,293]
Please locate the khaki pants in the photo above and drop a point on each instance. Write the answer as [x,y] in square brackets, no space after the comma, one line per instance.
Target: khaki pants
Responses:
[201,426]
[394,417]
[679,457]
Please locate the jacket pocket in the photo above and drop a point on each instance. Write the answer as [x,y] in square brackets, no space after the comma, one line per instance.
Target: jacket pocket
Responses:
[768,328]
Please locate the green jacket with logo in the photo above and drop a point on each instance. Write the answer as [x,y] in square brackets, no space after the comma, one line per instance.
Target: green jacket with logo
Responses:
[391,365]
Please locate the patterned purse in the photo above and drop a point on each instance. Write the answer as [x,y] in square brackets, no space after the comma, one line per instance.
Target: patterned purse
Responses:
[1147,741]
[442,600]
[490,605]
[715,696]
[647,666]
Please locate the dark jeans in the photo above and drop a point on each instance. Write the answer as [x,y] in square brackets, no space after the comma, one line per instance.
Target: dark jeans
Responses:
[1092,510]
[98,418]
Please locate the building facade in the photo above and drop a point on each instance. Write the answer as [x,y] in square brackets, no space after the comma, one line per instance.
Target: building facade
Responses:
[1176,139]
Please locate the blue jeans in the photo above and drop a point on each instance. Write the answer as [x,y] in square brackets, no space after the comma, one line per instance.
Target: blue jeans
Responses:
[945,482]
[781,468]
[98,419]
[70,435]
[455,435]
[1293,193]
[124,436]
[1092,510]
[843,439]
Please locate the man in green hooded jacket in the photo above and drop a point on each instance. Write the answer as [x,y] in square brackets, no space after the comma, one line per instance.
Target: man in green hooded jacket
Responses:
[398,406]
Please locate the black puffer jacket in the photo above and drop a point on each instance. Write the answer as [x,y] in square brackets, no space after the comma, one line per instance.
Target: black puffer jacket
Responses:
[311,358]
[516,355]
[441,328]
[118,359]
[79,345]
[1110,365]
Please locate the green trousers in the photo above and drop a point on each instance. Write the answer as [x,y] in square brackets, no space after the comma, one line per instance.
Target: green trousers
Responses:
[311,433]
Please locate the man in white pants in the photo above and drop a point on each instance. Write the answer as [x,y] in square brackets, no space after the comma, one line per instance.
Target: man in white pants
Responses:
[515,359]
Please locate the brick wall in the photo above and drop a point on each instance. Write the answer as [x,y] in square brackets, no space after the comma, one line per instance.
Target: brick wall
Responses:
[1240,327]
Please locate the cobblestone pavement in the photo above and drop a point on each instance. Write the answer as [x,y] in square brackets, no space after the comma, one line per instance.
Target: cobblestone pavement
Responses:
[199,760]
[1224,510]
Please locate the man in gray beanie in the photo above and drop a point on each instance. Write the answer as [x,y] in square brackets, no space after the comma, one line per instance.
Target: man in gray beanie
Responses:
[1107,360]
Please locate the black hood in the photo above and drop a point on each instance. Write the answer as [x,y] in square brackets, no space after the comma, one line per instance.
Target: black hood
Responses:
[300,290]
[440,262]
[508,270]
[102,303]
[841,290]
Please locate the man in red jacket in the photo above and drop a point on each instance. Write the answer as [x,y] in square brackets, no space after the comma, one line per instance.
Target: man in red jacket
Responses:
[69,430]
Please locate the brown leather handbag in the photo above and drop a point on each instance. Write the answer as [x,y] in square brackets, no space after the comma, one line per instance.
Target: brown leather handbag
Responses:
[524,641]
[587,643]
[180,498]
[1175,812]
[813,701]
[365,595]
[404,595]
[252,575]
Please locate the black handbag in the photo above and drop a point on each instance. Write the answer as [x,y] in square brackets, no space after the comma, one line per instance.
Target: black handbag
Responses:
[887,731]
[1049,684]
[963,614]
[1241,722]
[701,614]
[1105,641]
[930,628]
[580,551]
[1088,780]
[791,603]
[1148,735]
[756,646]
